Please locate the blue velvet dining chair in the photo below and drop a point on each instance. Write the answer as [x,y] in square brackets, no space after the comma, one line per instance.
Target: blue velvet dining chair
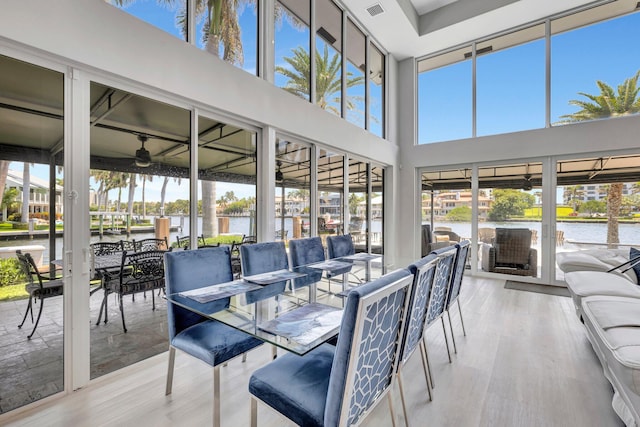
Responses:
[423,272]
[340,246]
[331,386]
[258,258]
[303,252]
[208,340]
[437,300]
[456,283]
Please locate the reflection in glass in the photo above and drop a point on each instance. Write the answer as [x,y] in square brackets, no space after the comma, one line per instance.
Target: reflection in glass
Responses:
[444,97]
[446,207]
[513,197]
[293,190]
[139,182]
[597,205]
[358,203]
[227,169]
[168,16]
[356,47]
[576,70]
[516,60]
[31,212]
[377,80]
[328,56]
[292,63]
[330,193]
[234,38]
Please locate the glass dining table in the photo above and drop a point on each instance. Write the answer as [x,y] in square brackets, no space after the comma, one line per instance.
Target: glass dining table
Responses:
[294,319]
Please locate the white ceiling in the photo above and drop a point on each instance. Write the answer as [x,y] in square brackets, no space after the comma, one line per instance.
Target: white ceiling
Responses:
[415,28]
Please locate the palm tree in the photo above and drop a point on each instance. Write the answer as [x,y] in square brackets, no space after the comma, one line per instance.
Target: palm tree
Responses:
[609,104]
[4,171]
[328,79]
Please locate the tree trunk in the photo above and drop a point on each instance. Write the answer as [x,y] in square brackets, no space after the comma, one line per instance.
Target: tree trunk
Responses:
[4,171]
[163,193]
[614,202]
[26,190]
[132,191]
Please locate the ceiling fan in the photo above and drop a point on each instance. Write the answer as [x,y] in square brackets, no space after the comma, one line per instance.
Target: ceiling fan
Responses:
[527,184]
[143,157]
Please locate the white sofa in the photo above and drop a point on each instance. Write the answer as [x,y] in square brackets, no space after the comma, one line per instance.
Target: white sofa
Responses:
[609,306]
[613,328]
[595,260]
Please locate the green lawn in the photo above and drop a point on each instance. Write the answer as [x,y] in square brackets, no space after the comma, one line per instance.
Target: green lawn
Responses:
[13,292]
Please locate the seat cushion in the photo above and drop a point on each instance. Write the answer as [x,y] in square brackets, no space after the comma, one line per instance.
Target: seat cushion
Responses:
[613,327]
[588,283]
[595,260]
[296,386]
[214,342]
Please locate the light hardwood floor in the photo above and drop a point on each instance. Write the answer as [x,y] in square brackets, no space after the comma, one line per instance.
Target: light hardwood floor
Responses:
[524,362]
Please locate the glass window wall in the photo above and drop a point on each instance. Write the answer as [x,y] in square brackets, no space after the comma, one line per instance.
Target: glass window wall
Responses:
[292,47]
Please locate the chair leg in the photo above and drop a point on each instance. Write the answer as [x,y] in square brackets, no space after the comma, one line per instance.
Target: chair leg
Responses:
[244,357]
[425,366]
[37,320]
[120,298]
[103,306]
[274,352]
[391,411]
[464,332]
[153,300]
[446,340]
[254,412]
[453,338]
[27,311]
[216,396]
[404,406]
[426,358]
[172,360]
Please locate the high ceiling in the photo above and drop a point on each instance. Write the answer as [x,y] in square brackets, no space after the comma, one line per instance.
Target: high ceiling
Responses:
[415,28]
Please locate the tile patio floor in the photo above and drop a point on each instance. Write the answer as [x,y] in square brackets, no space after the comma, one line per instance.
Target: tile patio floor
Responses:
[33,369]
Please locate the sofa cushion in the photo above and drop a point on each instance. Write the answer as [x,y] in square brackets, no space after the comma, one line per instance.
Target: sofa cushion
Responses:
[613,327]
[587,283]
[595,260]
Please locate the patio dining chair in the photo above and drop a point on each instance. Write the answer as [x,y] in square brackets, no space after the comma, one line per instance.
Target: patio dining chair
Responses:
[184,242]
[331,386]
[208,340]
[139,272]
[39,287]
[151,244]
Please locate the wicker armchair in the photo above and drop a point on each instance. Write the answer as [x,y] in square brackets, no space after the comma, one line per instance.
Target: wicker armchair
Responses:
[511,253]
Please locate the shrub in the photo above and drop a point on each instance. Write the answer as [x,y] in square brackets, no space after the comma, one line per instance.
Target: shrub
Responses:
[10,272]
[20,226]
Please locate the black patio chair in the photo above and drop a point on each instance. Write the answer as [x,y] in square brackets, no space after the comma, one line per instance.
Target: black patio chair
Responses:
[39,287]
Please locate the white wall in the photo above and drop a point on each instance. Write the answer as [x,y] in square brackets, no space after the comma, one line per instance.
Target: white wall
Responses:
[93,35]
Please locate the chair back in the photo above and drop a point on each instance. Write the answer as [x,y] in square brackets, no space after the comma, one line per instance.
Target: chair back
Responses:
[106,248]
[141,271]
[424,273]
[152,244]
[249,240]
[458,271]
[426,239]
[261,258]
[187,270]
[128,245]
[29,268]
[303,252]
[442,280]
[339,246]
[184,242]
[366,352]
[512,246]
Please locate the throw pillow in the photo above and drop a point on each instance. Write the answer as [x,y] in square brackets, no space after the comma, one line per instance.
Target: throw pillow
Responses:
[633,254]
